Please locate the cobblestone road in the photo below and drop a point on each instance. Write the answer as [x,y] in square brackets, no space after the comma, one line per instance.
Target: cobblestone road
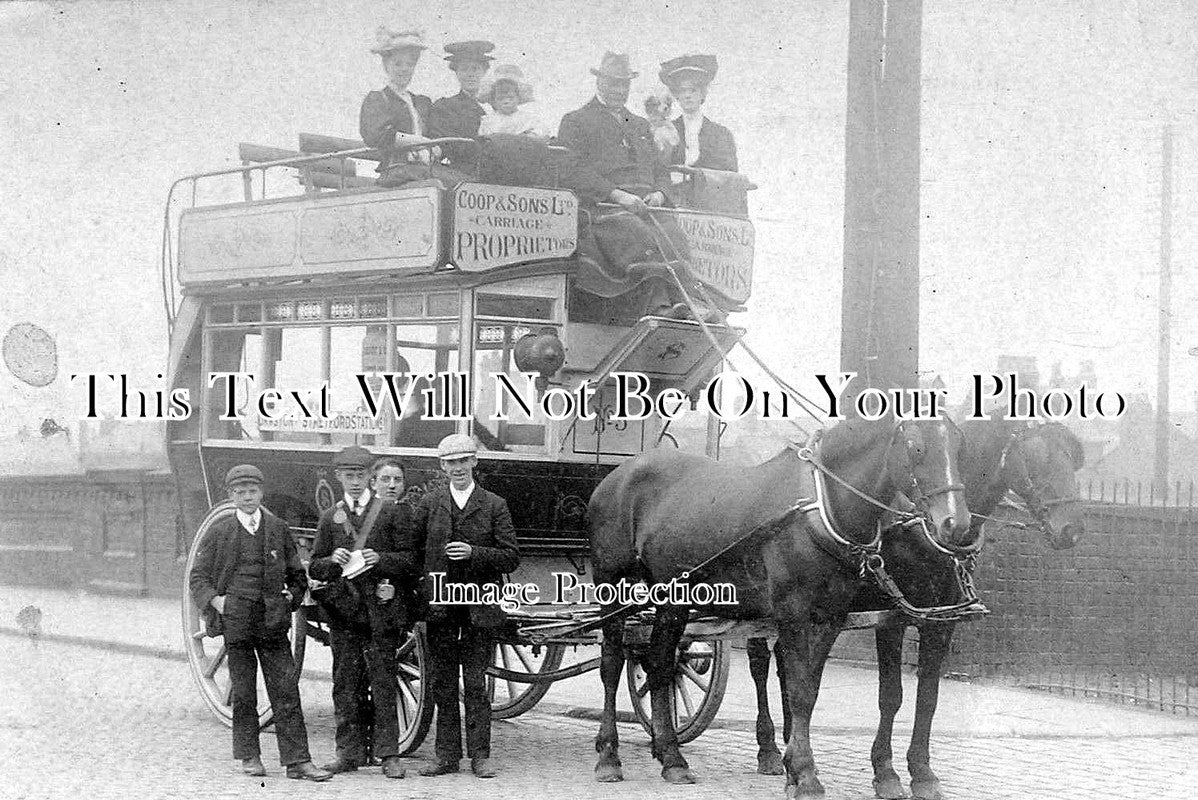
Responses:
[83,722]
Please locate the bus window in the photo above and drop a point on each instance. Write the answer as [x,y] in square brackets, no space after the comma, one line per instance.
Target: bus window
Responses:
[294,363]
[427,354]
[354,350]
[520,432]
[233,351]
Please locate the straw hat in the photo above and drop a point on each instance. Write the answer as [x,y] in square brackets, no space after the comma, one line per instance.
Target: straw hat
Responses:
[387,39]
[505,72]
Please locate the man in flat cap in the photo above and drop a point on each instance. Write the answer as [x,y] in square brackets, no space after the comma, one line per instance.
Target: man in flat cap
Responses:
[248,579]
[469,540]
[393,112]
[375,539]
[461,114]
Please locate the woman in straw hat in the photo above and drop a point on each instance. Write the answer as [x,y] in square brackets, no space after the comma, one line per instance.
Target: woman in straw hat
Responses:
[393,111]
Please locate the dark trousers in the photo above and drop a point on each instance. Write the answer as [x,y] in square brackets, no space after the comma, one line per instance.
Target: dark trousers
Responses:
[454,646]
[278,672]
[364,694]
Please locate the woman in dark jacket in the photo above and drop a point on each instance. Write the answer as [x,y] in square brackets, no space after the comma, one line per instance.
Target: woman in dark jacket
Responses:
[701,143]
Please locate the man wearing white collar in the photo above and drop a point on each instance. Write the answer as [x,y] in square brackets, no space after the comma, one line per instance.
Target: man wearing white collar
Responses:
[367,615]
[470,539]
[247,580]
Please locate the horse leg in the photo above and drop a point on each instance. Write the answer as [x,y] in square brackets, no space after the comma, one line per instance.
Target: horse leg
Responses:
[889,641]
[769,757]
[780,661]
[611,664]
[806,647]
[660,668]
[933,646]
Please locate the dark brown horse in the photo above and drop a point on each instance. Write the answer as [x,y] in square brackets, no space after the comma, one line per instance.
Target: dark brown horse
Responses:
[1037,463]
[791,535]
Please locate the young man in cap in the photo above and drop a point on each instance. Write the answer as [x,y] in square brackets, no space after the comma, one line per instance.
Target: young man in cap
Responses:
[468,536]
[393,112]
[248,579]
[461,114]
[367,615]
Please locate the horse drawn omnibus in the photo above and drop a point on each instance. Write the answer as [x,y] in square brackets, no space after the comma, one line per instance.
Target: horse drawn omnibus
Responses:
[313,315]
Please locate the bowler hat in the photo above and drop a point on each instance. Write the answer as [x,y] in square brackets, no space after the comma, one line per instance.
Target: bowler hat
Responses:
[457,445]
[387,39]
[474,50]
[701,67]
[243,473]
[615,65]
[353,456]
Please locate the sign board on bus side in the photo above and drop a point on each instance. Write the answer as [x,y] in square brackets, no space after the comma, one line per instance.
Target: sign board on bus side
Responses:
[494,226]
[721,250]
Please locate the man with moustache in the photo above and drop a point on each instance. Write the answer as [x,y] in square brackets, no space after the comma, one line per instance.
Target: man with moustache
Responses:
[468,536]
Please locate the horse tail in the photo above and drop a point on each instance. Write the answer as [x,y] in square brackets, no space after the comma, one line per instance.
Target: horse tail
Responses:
[612,518]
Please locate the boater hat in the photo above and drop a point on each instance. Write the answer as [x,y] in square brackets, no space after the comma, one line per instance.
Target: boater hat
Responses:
[615,65]
[457,445]
[474,50]
[243,473]
[387,39]
[353,457]
[700,67]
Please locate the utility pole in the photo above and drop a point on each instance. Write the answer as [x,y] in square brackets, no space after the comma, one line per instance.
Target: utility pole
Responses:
[880,299]
[1160,472]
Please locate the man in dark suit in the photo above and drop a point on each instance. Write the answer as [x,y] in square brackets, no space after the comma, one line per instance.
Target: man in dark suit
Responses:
[393,114]
[470,542]
[613,148]
[248,579]
[461,114]
[367,615]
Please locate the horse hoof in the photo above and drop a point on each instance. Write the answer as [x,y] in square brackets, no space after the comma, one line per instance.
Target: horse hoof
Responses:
[770,764]
[609,773]
[890,788]
[677,775]
[793,793]
[926,790]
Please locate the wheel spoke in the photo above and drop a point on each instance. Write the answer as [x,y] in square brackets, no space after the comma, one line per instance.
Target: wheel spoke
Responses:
[680,690]
[198,635]
[702,681]
[529,665]
[228,694]
[409,669]
[217,661]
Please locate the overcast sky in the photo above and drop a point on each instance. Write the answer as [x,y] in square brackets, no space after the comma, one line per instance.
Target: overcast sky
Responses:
[1041,158]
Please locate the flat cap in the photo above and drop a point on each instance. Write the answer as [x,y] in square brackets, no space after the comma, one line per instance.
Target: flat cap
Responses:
[243,473]
[353,456]
[457,445]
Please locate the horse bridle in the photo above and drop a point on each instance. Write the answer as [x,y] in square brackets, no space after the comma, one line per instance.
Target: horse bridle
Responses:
[1036,506]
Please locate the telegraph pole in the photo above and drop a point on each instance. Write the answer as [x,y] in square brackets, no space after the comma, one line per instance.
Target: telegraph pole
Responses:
[1160,472]
[880,300]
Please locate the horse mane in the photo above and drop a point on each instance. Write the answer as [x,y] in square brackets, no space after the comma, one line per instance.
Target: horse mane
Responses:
[1067,439]
[851,437]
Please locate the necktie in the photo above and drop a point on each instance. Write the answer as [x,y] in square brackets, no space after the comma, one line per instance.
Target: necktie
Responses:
[253,525]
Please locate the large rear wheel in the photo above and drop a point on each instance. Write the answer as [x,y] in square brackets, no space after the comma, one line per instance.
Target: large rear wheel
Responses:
[415,696]
[700,676]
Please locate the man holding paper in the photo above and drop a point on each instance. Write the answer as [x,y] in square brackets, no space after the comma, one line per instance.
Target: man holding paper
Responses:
[364,548]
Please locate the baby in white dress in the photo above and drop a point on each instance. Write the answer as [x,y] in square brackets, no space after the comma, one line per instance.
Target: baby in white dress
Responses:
[506,90]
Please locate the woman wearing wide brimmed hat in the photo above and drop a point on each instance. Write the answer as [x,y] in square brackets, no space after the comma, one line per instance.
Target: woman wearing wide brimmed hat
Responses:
[460,114]
[393,110]
[506,90]
[703,144]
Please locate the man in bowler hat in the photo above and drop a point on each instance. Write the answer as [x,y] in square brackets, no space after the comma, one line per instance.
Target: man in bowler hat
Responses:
[469,536]
[367,611]
[248,579]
